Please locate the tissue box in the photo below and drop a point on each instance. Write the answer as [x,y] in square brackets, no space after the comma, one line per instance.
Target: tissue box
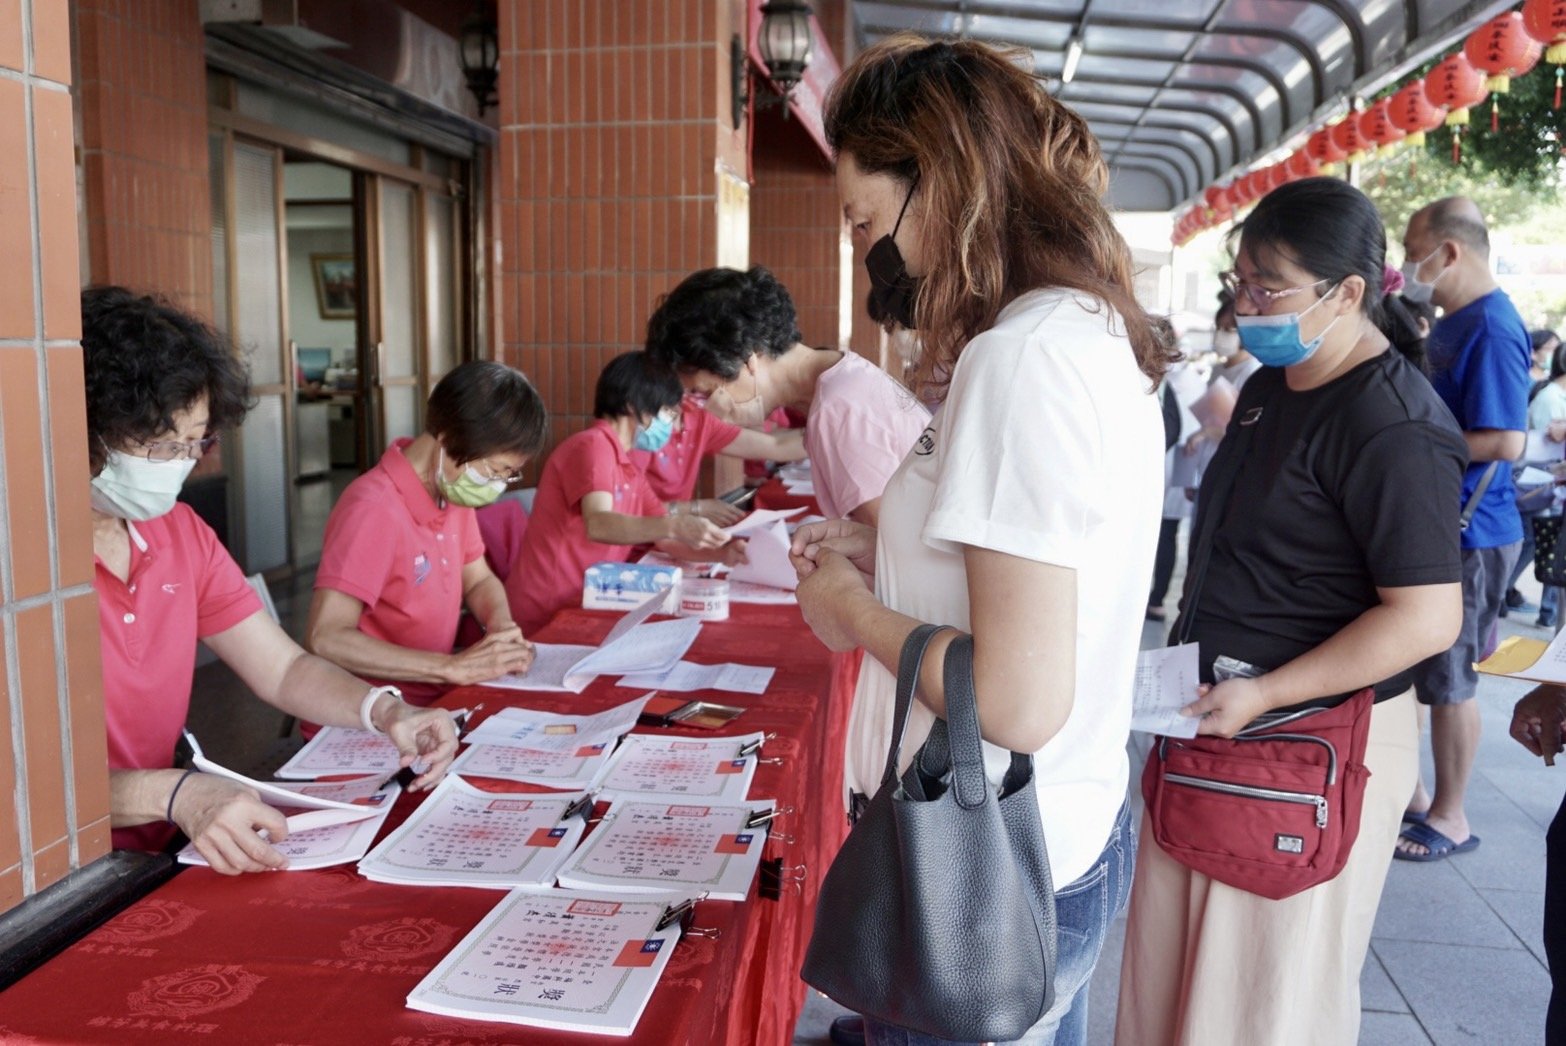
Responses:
[620,586]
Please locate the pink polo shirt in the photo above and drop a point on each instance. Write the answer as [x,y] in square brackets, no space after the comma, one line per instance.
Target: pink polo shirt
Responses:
[556,551]
[672,472]
[388,546]
[862,424]
[183,586]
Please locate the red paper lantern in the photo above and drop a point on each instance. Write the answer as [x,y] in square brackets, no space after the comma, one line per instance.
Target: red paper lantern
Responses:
[1411,111]
[1345,134]
[1302,164]
[1278,175]
[1324,150]
[1457,85]
[1502,49]
[1376,126]
[1257,185]
[1218,199]
[1545,21]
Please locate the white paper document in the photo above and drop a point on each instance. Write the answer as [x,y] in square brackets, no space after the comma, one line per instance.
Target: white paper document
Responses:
[767,552]
[634,644]
[554,731]
[687,676]
[802,487]
[679,848]
[1166,681]
[569,769]
[333,844]
[566,960]
[1541,448]
[342,750]
[307,806]
[681,768]
[462,836]
[760,520]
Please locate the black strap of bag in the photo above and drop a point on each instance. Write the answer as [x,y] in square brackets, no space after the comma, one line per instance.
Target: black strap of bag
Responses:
[1472,504]
[1212,503]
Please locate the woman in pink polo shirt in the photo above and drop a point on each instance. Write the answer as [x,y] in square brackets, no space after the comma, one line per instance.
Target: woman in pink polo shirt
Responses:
[698,434]
[594,503]
[734,339]
[159,384]
[402,554]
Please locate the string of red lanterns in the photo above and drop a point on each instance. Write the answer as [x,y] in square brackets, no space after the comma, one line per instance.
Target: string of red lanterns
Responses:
[1507,46]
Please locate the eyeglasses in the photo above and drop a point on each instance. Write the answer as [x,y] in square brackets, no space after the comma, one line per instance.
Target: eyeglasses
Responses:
[174,449]
[1260,297]
[491,474]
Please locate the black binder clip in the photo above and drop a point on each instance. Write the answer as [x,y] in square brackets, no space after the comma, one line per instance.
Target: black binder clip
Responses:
[775,876]
[581,808]
[683,913]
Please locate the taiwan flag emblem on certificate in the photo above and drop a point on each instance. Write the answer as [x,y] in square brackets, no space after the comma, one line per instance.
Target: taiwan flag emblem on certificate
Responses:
[639,953]
[546,837]
[732,766]
[733,844]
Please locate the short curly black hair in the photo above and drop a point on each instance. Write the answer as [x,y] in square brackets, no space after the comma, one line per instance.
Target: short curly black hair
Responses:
[716,319]
[635,383]
[482,408]
[145,361]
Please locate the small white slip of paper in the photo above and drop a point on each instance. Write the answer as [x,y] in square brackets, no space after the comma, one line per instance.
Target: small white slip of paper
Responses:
[1166,681]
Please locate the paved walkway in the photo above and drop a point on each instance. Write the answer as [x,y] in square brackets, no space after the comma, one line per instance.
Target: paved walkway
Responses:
[1456,956]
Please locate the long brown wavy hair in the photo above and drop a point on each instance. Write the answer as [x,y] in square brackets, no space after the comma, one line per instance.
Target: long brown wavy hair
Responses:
[1010,187]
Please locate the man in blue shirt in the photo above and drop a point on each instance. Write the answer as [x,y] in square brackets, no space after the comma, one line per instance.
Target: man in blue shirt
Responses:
[1479,357]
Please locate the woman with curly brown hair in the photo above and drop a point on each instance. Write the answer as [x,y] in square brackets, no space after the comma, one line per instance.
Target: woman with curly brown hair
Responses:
[1028,512]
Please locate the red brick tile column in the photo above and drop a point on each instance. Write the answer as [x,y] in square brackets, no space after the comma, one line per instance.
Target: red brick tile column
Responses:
[51,706]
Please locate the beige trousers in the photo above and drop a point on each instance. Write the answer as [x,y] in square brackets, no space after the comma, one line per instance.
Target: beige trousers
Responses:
[1209,965]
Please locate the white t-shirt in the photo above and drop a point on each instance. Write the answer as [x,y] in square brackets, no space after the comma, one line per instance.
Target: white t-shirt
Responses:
[1049,447]
[862,423]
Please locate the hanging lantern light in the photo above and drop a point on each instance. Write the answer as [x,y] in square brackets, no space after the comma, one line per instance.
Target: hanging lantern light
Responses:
[1218,199]
[1345,134]
[1502,49]
[784,40]
[1411,111]
[1545,21]
[1278,175]
[1259,184]
[1324,150]
[1457,85]
[1302,164]
[1376,126]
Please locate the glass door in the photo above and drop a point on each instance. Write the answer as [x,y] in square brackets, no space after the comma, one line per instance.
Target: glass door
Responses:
[396,346]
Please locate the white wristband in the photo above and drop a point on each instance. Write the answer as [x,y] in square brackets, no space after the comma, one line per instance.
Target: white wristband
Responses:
[368,705]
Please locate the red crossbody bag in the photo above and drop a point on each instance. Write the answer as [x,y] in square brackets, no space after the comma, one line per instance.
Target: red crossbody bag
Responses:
[1275,809]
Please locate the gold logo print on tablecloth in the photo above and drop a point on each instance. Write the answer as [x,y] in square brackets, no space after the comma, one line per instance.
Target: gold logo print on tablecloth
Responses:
[193,991]
[398,939]
[148,921]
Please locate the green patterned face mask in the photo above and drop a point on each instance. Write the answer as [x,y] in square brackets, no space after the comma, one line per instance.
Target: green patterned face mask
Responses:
[469,489]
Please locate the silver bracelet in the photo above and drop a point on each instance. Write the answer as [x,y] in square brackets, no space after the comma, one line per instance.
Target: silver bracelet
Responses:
[367,705]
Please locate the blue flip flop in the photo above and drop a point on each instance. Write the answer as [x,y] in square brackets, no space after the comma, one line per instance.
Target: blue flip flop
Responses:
[1437,845]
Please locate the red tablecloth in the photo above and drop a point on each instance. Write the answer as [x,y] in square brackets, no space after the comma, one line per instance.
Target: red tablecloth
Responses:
[328,957]
[773,495]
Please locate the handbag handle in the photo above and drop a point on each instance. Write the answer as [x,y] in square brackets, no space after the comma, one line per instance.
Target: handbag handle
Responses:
[908,666]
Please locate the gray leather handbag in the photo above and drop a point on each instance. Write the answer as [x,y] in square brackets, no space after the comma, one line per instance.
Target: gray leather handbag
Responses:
[938,914]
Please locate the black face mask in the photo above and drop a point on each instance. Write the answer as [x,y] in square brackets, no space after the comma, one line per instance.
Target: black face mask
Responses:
[893,293]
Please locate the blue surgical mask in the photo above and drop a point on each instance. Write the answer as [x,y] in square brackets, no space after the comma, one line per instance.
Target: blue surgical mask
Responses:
[1275,340]
[654,435]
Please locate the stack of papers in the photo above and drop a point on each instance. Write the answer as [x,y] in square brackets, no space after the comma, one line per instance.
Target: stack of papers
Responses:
[633,645]
[585,962]
[687,676]
[681,768]
[1166,681]
[461,836]
[308,806]
[561,751]
[341,750]
[330,844]
[684,849]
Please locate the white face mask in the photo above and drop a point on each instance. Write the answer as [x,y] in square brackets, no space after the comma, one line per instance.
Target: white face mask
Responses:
[1226,343]
[1415,289]
[137,488]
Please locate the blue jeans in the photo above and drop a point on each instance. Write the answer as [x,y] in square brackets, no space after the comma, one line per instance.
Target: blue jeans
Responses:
[1083,911]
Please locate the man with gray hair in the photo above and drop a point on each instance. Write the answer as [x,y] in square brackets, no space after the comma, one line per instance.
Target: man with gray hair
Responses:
[1479,357]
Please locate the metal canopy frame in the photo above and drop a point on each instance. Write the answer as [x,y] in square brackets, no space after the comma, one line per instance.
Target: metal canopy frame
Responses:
[1278,66]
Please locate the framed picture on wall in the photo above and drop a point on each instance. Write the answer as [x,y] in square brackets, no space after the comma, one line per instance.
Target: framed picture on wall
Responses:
[336,285]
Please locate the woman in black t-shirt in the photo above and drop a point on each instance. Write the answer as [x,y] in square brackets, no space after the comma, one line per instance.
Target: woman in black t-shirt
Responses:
[1334,566]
